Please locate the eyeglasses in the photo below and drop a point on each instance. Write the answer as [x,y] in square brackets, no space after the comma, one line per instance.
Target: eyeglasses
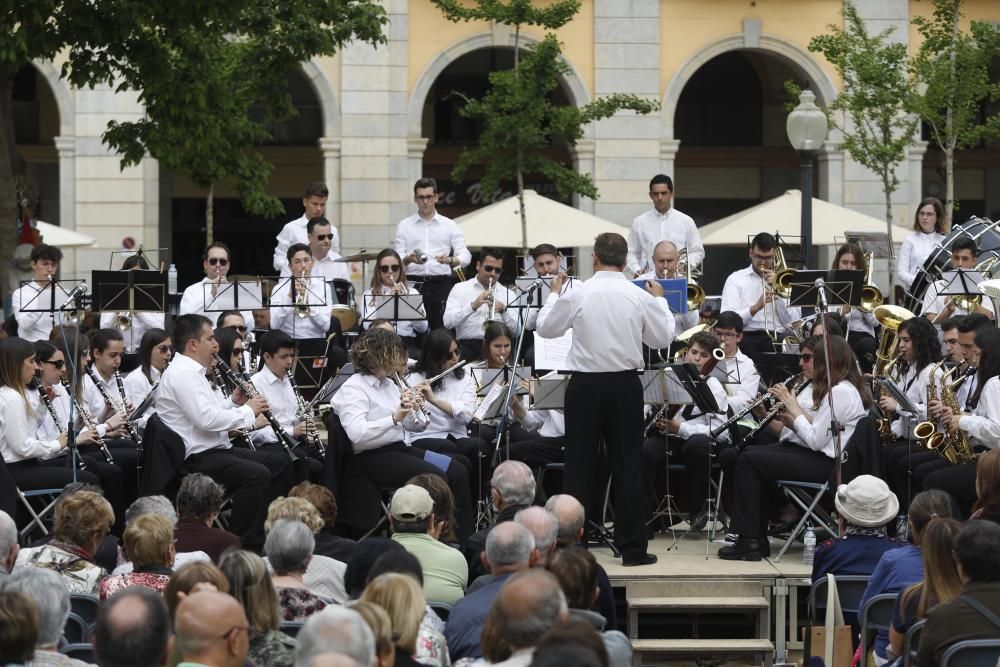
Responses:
[762,258]
[221,261]
[425,197]
[389,268]
[928,214]
[165,348]
[235,628]
[324,237]
[60,363]
[806,357]
[726,334]
[493,269]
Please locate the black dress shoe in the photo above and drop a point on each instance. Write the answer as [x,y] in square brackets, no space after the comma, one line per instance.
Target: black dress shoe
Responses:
[742,550]
[635,561]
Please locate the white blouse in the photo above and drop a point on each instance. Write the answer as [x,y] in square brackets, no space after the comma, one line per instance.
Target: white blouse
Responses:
[17,433]
[915,250]
[983,425]
[916,390]
[849,410]
[461,394]
[405,328]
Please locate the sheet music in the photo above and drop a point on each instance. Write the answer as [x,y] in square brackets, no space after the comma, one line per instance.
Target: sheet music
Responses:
[551,353]
[494,394]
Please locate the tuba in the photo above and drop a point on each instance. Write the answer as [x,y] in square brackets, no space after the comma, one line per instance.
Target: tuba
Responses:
[695,293]
[684,336]
[871,296]
[890,317]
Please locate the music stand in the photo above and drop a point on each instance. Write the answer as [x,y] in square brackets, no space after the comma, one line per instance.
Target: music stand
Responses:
[551,353]
[960,282]
[132,291]
[775,367]
[843,288]
[56,290]
[550,392]
[486,378]
[394,307]
[140,252]
[876,243]
[230,294]
[310,362]
[899,395]
[314,294]
[331,386]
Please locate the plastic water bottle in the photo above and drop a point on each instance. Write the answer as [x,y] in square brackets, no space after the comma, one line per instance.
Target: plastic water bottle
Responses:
[172,279]
[809,552]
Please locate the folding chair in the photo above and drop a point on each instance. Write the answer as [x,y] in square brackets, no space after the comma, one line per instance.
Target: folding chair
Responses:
[875,615]
[807,496]
[972,653]
[442,610]
[850,589]
[47,496]
[85,606]
[291,628]
[83,652]
[75,630]
[911,642]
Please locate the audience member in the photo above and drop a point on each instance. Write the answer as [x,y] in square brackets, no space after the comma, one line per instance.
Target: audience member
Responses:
[510,548]
[289,547]
[414,525]
[132,630]
[973,614]
[336,630]
[48,592]
[199,501]
[159,506]
[327,542]
[575,634]
[108,551]
[252,588]
[562,654]
[18,627]
[367,552]
[403,600]
[576,570]
[8,544]
[324,576]
[211,630]
[149,544]
[512,488]
[543,526]
[988,487]
[866,505]
[381,626]
[82,519]
[192,578]
[444,505]
[529,605]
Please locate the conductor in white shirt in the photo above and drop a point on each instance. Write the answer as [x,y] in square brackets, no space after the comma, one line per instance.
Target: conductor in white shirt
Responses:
[205,294]
[441,249]
[662,223]
[314,206]
[611,319]
[471,303]
[31,303]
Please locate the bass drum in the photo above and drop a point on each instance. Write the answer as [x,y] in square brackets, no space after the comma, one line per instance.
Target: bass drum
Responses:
[346,308]
[985,232]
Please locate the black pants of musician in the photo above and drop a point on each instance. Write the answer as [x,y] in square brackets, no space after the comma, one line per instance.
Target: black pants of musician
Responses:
[958,479]
[254,479]
[757,468]
[694,452]
[864,346]
[111,479]
[304,469]
[391,465]
[122,488]
[608,407]
[755,342]
[904,461]
[33,475]
[516,433]
[473,453]
[536,452]
[435,291]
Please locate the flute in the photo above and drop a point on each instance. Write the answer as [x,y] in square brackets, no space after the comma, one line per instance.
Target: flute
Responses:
[36,384]
[446,372]
[88,419]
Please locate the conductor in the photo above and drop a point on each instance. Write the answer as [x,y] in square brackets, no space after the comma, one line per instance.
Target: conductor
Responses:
[611,319]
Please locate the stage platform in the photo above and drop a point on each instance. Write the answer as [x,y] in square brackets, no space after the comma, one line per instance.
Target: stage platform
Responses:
[691,609]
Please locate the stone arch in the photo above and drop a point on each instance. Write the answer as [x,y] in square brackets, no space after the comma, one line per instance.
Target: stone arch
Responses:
[327,99]
[61,93]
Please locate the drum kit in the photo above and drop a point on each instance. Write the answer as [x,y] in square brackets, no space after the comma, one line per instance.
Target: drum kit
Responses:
[346,308]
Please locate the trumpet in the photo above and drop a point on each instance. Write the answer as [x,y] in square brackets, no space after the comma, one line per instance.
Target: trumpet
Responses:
[421,418]
[123,320]
[36,383]
[304,413]
[300,295]
[491,315]
[420,257]
[88,419]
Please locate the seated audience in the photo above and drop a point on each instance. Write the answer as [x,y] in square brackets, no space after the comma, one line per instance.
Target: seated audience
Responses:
[369,550]
[211,629]
[149,544]
[191,578]
[415,526]
[132,628]
[403,600]
[8,544]
[543,526]
[444,505]
[289,547]
[512,488]
[159,506]
[327,542]
[199,501]
[324,576]
[18,628]
[977,550]
[988,487]
[252,588]
[81,522]
[339,631]
[381,626]
[108,554]
[587,647]
[48,592]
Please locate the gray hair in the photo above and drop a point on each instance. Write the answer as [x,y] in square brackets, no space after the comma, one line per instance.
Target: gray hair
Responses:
[288,546]
[515,483]
[570,514]
[8,536]
[337,630]
[537,609]
[508,544]
[543,525]
[51,597]
[199,497]
[151,505]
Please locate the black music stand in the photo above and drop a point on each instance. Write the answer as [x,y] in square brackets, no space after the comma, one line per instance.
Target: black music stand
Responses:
[394,307]
[310,362]
[775,367]
[56,290]
[230,294]
[132,291]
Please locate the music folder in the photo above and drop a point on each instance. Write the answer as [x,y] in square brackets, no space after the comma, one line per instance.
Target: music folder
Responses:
[674,291]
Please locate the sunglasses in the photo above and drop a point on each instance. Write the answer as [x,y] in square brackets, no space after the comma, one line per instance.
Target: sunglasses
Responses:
[493,269]
[324,237]
[220,261]
[806,357]
[165,348]
[60,364]
[237,350]
[387,268]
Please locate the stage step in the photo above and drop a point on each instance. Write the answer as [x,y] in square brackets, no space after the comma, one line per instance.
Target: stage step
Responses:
[646,650]
[715,603]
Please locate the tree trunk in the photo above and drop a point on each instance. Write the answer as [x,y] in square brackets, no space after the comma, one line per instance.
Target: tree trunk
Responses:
[210,216]
[949,120]
[520,176]
[11,166]
[949,183]
[890,297]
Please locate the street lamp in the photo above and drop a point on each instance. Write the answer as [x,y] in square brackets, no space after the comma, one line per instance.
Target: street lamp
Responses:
[806,127]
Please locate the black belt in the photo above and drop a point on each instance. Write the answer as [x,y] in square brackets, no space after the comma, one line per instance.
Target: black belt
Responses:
[431,279]
[756,333]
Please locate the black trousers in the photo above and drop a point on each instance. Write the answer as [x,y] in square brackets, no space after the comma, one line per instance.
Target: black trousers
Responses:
[254,479]
[864,346]
[32,475]
[8,492]
[536,452]
[435,291]
[757,468]
[756,341]
[694,452]
[904,462]
[390,466]
[957,479]
[473,453]
[608,407]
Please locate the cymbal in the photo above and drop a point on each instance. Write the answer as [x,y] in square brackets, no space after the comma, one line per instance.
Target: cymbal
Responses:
[360,257]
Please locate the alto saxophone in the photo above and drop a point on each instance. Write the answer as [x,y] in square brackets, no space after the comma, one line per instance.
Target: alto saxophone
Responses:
[926,432]
[956,447]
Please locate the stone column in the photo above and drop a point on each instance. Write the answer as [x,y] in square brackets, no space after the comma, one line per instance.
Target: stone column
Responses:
[330,148]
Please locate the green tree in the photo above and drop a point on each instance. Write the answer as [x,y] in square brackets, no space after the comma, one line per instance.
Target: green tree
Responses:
[872,108]
[951,73]
[518,115]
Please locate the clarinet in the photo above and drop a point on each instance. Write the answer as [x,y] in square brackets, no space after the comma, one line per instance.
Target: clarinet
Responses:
[305,414]
[244,434]
[36,384]
[129,426]
[251,392]
[88,420]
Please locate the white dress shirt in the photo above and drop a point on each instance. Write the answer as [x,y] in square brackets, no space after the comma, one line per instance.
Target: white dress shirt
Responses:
[651,227]
[281,401]
[742,368]
[468,323]
[194,298]
[460,394]
[611,318]
[365,406]
[295,232]
[405,328]
[547,423]
[137,387]
[804,397]
[46,429]
[201,416]
[328,267]
[983,425]
[17,432]
[94,399]
[850,409]
[965,391]
[434,237]
[141,323]
[742,289]
[914,384]
[861,322]
[915,250]
[700,423]
[935,304]
[283,315]
[682,321]
[34,324]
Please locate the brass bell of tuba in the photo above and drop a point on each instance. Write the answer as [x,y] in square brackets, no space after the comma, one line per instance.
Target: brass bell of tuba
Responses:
[695,293]
[871,296]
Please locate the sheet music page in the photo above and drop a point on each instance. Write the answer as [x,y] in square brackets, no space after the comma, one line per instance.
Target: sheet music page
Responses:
[551,353]
[491,397]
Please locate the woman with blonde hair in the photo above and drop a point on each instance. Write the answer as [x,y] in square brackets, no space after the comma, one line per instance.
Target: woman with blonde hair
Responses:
[987,487]
[324,575]
[149,545]
[403,599]
[381,625]
[251,586]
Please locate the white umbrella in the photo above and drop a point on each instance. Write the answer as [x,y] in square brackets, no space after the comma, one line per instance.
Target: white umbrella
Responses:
[62,237]
[499,224]
[783,215]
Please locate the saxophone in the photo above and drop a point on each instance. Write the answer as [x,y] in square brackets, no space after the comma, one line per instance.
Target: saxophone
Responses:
[956,447]
[926,432]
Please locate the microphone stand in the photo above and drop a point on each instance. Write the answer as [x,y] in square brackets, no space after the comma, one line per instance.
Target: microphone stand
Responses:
[835,427]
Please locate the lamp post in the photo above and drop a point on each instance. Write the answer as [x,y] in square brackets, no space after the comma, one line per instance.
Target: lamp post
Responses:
[806,127]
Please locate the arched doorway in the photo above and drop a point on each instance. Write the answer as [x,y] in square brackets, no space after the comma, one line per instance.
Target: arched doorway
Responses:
[294,152]
[36,125]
